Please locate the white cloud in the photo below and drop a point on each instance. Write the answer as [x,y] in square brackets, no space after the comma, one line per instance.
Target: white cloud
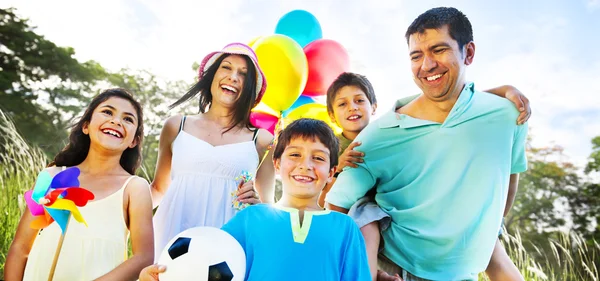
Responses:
[166,37]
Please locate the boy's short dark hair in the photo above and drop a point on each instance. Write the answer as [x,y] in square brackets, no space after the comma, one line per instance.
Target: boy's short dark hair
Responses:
[459,26]
[311,129]
[350,79]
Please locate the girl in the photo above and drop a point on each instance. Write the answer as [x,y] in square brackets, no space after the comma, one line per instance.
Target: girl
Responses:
[201,156]
[105,146]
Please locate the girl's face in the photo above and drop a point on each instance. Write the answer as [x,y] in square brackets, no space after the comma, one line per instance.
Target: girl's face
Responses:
[113,125]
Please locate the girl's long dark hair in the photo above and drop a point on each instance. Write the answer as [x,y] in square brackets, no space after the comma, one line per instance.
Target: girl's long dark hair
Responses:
[245,103]
[79,143]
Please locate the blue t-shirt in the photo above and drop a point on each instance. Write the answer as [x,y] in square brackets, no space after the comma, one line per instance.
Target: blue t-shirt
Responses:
[444,185]
[328,246]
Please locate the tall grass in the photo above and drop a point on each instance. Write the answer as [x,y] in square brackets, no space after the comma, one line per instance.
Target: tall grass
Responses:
[19,165]
[566,258]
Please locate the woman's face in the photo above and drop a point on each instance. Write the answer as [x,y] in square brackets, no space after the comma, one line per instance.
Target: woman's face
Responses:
[229,79]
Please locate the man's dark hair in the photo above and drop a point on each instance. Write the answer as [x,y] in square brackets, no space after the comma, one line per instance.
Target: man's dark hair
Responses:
[458,24]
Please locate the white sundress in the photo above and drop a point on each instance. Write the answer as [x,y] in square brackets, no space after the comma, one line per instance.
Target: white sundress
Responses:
[203,177]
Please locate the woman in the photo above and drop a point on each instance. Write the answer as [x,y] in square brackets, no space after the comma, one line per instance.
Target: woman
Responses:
[201,157]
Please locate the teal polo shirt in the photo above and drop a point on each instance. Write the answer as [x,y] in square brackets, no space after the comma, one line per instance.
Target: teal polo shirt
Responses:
[444,185]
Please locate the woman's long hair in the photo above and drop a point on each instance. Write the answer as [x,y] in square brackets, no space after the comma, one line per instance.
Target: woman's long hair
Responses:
[242,107]
[79,143]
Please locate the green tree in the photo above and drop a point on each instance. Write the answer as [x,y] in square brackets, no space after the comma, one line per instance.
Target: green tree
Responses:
[541,188]
[155,95]
[585,203]
[42,86]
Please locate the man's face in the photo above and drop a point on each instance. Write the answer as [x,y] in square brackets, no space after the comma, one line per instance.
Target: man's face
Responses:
[438,64]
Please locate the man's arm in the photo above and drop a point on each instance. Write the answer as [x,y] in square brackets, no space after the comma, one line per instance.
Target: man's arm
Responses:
[336,208]
[350,186]
[513,186]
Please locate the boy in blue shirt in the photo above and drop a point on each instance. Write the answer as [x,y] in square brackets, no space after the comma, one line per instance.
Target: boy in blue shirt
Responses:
[296,239]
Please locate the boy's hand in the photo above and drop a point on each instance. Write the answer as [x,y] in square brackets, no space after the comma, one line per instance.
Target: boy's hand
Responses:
[247,194]
[383,276]
[521,102]
[150,273]
[350,157]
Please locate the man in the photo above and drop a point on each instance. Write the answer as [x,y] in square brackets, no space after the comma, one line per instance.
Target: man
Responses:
[442,163]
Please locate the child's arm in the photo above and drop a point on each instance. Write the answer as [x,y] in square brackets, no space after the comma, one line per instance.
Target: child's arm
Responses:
[162,174]
[150,273]
[139,212]
[265,177]
[501,268]
[515,96]
[348,158]
[20,248]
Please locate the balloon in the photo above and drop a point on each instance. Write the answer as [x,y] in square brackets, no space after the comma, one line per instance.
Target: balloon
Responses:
[327,59]
[264,121]
[314,111]
[285,67]
[302,100]
[262,107]
[203,253]
[251,43]
[301,26]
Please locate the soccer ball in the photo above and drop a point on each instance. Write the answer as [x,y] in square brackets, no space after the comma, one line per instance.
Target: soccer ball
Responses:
[203,254]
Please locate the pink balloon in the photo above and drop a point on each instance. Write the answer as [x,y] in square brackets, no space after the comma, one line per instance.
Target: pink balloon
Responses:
[327,59]
[264,121]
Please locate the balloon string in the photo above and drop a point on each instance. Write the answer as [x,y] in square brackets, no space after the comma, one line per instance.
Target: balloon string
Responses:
[273,142]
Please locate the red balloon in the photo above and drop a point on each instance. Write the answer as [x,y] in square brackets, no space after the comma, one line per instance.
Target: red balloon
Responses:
[327,59]
[264,121]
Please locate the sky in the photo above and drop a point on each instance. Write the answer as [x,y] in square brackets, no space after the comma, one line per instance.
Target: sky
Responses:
[547,49]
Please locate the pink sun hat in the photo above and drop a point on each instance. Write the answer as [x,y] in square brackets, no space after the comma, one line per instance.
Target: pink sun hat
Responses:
[237,49]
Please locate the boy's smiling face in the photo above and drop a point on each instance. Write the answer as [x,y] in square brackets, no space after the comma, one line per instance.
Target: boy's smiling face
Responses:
[304,168]
[352,109]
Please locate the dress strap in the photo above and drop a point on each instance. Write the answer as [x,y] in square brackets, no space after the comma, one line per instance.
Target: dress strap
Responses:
[182,122]
[127,182]
[255,135]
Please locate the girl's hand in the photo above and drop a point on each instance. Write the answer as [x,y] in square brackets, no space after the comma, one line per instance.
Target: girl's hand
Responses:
[247,194]
[150,273]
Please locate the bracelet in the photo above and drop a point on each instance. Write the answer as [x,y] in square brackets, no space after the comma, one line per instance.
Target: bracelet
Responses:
[335,175]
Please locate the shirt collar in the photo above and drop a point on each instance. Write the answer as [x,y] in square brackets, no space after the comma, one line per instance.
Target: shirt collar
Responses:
[392,119]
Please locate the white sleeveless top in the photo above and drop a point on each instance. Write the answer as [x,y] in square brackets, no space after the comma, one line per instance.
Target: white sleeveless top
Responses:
[202,180]
[87,252]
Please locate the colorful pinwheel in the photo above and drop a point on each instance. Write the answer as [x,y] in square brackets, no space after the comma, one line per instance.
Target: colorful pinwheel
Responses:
[56,198]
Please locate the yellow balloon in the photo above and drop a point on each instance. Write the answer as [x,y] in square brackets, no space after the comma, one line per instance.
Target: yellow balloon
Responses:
[262,107]
[314,111]
[285,67]
[253,41]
